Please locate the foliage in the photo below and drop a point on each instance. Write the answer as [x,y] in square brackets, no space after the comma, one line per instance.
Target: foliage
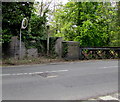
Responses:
[38,27]
[37,32]
[90,23]
[116,35]
[52,47]
[13,13]
[65,49]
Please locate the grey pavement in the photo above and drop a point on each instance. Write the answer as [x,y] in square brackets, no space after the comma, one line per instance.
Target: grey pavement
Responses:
[60,81]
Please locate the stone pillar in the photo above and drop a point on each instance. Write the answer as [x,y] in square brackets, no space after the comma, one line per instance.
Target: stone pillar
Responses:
[58,47]
[14,48]
[32,53]
[73,50]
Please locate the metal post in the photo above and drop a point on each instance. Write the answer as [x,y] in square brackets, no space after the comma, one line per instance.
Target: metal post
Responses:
[48,41]
[20,45]
[48,45]
[22,27]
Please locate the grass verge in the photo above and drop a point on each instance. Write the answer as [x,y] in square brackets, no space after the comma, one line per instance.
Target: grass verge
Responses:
[40,60]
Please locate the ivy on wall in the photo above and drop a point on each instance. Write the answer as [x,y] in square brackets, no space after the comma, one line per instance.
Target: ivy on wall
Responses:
[64,49]
[52,46]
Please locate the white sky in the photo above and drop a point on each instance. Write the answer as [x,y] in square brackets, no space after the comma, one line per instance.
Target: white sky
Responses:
[63,1]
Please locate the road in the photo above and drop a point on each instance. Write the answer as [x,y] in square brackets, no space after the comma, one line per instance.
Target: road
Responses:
[60,81]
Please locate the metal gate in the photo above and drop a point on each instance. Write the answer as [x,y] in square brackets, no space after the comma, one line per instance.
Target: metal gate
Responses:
[87,53]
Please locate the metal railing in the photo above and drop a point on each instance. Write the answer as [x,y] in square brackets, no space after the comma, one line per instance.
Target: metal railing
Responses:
[87,53]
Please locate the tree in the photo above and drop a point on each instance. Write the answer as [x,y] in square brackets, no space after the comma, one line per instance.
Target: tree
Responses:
[86,22]
[38,21]
[13,13]
[38,27]
[115,26]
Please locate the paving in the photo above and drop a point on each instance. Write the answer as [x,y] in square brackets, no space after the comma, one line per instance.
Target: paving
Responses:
[61,81]
[112,97]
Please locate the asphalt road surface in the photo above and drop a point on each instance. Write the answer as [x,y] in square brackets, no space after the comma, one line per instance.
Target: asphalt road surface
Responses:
[60,81]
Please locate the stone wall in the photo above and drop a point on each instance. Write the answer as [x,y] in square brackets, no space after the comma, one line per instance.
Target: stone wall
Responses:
[71,50]
[33,53]
[12,50]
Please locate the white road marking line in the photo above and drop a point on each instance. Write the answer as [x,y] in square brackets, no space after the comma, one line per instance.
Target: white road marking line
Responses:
[92,99]
[38,72]
[19,74]
[5,74]
[57,71]
[109,67]
[14,74]
[108,98]
[25,73]
[52,76]
[32,73]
